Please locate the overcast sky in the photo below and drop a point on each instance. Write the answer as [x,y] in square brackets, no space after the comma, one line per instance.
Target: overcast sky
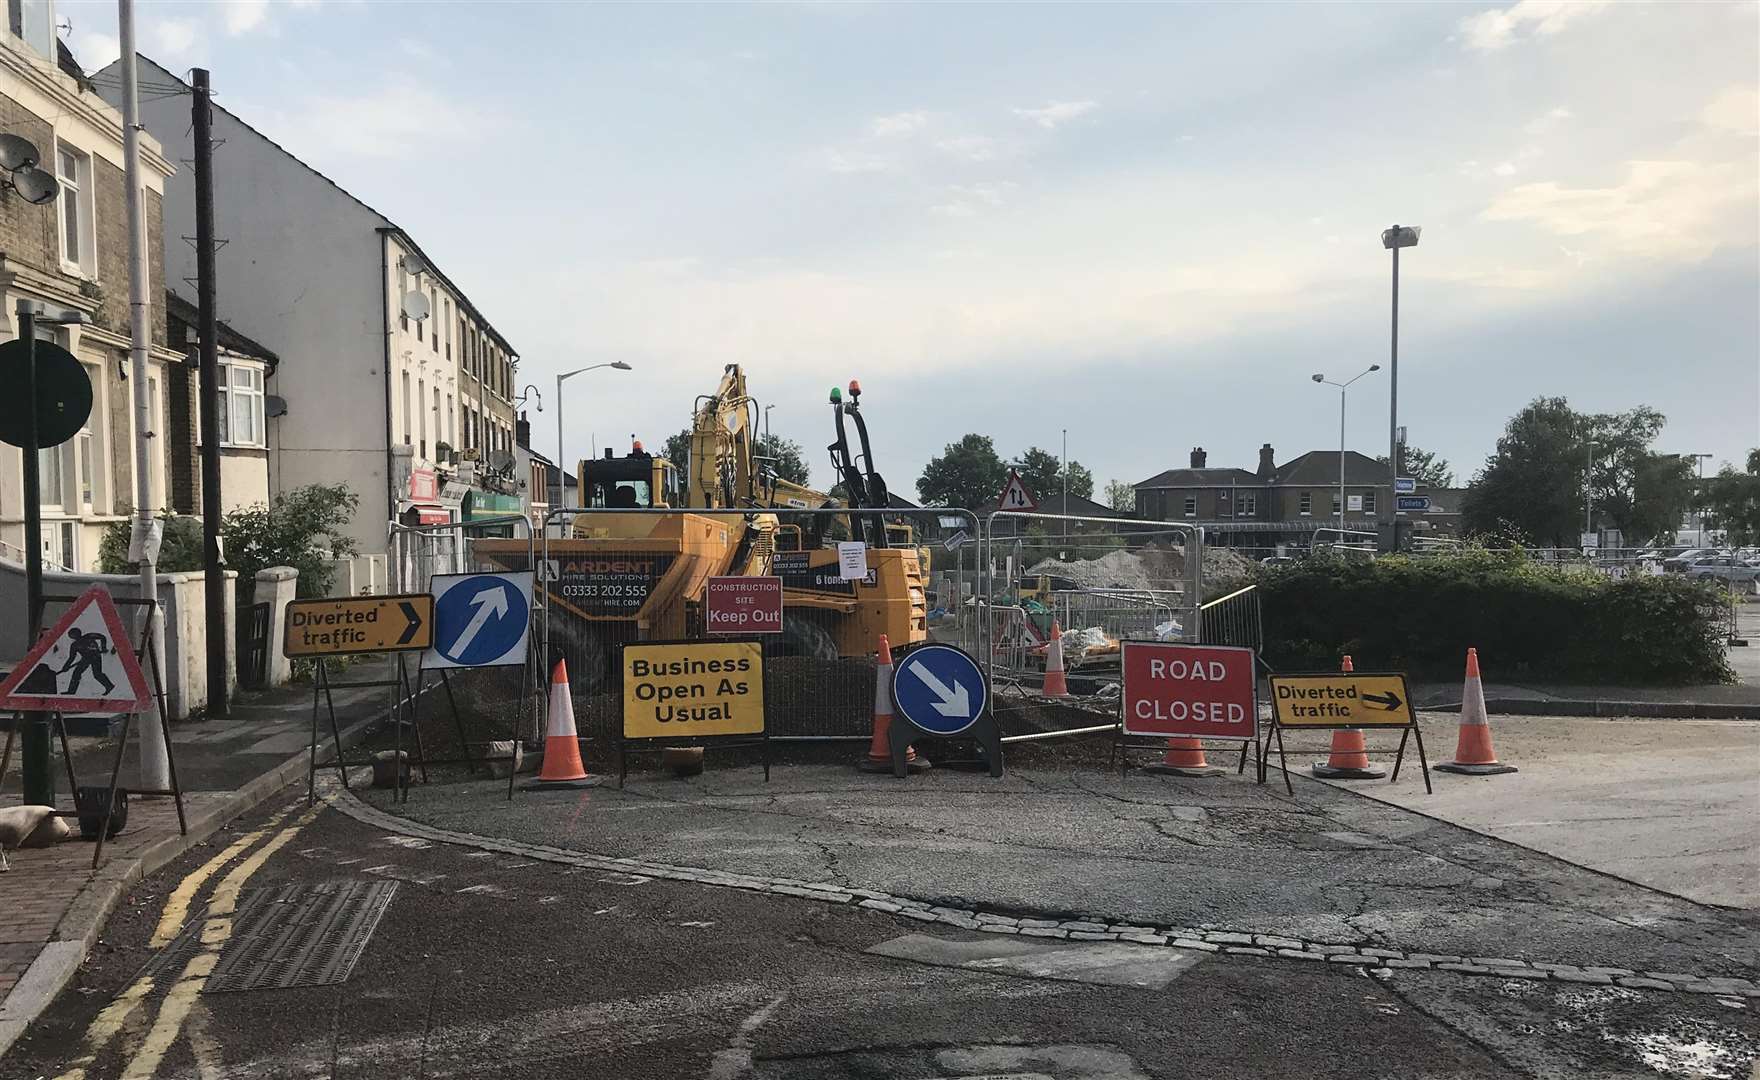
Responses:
[1147,224]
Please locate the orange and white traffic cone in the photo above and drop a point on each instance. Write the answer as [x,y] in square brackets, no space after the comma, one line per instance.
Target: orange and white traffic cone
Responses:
[1185,757]
[562,745]
[1472,749]
[1055,684]
[879,757]
[1349,759]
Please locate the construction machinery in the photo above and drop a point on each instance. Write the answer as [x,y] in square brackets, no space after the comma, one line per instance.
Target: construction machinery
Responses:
[642,576]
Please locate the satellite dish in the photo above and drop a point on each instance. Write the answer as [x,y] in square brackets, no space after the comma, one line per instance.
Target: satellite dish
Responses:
[413,265]
[500,461]
[17,152]
[275,405]
[415,305]
[36,186]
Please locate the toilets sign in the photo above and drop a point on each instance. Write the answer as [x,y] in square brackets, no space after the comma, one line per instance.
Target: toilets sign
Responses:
[1201,691]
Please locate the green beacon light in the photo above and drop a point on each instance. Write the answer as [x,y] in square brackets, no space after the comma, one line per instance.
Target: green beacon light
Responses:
[836,395]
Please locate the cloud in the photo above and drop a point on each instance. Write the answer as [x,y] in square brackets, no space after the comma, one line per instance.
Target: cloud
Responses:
[96,51]
[391,120]
[172,40]
[1505,168]
[1548,120]
[970,147]
[415,48]
[968,200]
[1050,116]
[898,125]
[243,16]
[1735,110]
[1662,209]
[1501,27]
[851,162]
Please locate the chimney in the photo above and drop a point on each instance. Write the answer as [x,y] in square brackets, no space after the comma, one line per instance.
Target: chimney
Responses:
[1198,457]
[522,431]
[1267,461]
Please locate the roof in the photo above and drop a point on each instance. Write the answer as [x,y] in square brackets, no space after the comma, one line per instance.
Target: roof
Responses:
[1053,504]
[1318,467]
[389,226]
[180,310]
[1204,478]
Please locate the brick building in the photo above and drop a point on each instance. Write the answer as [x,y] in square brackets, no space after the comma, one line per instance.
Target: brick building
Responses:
[72,254]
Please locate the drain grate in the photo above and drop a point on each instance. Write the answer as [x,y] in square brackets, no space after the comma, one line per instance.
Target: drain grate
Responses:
[286,936]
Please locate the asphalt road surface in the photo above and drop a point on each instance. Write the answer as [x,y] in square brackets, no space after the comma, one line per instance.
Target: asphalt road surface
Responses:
[486,965]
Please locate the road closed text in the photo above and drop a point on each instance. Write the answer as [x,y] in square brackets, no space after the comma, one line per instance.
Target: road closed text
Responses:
[695,689]
[1199,690]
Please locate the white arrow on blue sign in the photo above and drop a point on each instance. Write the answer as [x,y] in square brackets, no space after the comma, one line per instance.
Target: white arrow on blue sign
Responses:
[480,620]
[939,689]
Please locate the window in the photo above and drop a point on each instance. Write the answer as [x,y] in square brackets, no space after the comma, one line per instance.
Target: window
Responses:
[448,329]
[85,445]
[406,405]
[240,391]
[1247,505]
[439,432]
[402,291]
[74,207]
[1307,503]
[68,556]
[422,417]
[49,476]
[1191,506]
[451,423]
[1368,502]
[434,312]
[1335,504]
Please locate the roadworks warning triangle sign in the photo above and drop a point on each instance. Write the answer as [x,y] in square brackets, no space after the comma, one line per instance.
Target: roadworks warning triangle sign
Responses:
[1015,495]
[83,664]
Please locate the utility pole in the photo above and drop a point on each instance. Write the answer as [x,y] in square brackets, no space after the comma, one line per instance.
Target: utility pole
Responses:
[35,776]
[155,769]
[1063,467]
[214,579]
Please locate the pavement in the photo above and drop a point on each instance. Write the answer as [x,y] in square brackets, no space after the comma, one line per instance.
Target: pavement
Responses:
[225,767]
[492,964]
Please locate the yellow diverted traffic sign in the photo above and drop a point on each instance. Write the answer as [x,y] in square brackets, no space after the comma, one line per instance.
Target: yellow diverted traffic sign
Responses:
[1346,699]
[691,689]
[359,624]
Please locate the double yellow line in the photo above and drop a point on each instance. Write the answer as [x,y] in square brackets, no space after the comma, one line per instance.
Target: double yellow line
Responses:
[180,997]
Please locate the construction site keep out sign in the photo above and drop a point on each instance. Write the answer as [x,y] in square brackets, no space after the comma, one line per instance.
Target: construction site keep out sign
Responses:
[1202,691]
[693,689]
[743,605]
[1349,699]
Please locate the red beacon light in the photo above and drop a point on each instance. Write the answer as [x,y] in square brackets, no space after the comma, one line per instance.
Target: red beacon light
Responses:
[855,388]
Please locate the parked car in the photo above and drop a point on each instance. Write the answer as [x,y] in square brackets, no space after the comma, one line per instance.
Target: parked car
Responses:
[1676,564]
[1722,568]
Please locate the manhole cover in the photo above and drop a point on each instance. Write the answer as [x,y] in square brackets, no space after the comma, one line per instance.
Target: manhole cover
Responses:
[287,936]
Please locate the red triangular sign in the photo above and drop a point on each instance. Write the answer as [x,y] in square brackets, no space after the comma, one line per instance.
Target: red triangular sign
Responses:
[1015,495]
[83,664]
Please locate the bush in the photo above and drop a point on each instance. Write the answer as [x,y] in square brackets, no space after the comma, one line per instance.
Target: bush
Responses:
[1528,620]
[180,550]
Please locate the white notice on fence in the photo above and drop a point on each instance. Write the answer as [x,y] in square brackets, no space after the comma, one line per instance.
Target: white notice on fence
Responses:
[852,560]
[1355,502]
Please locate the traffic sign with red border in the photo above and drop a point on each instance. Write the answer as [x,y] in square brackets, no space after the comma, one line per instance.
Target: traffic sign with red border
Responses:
[1198,691]
[1015,495]
[743,605]
[97,654]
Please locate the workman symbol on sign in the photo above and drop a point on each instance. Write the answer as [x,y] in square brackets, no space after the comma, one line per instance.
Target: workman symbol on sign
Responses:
[85,652]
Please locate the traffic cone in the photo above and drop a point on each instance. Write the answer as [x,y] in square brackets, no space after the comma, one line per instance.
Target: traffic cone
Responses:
[1185,757]
[1055,685]
[1349,759]
[879,757]
[1472,749]
[562,745]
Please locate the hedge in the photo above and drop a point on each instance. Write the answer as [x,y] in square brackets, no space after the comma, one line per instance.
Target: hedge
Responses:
[1528,620]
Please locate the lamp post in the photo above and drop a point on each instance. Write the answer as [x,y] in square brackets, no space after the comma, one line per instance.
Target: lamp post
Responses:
[1394,238]
[562,468]
[1342,387]
[1699,495]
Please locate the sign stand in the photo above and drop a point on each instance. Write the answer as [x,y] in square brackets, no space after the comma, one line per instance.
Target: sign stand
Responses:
[1121,745]
[626,743]
[530,680]
[1348,700]
[933,687]
[1188,692]
[323,685]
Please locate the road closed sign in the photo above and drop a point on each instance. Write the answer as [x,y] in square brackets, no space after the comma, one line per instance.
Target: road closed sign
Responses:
[693,689]
[1200,691]
[1349,699]
[743,605]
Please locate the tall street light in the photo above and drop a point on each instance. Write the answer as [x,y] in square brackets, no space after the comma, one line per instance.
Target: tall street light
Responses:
[561,467]
[1394,238]
[1342,387]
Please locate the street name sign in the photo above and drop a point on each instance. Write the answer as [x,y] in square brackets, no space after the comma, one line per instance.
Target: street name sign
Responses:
[693,689]
[1405,485]
[743,605]
[1341,700]
[480,620]
[341,626]
[1201,691]
[1403,503]
[83,664]
[939,689]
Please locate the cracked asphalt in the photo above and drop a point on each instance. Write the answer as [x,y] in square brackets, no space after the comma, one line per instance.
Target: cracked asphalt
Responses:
[489,965]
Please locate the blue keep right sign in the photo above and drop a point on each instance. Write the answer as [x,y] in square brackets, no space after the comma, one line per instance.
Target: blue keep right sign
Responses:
[939,689]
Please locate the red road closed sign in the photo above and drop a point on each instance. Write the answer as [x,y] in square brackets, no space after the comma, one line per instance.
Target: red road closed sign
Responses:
[1205,691]
[744,605]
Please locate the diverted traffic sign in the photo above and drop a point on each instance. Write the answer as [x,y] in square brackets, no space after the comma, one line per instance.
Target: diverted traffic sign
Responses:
[743,605]
[480,620]
[1348,699]
[1015,495]
[693,689]
[342,626]
[1411,502]
[83,664]
[1201,691]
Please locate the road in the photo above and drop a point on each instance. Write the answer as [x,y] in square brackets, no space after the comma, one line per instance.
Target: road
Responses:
[487,963]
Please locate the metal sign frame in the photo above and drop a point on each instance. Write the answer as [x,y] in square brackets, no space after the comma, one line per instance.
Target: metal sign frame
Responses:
[658,743]
[1122,735]
[982,728]
[522,647]
[1408,731]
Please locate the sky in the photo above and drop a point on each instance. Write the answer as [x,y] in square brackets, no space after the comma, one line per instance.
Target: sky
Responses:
[1148,225]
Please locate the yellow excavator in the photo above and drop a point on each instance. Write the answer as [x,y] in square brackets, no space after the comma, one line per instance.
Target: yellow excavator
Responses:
[642,576]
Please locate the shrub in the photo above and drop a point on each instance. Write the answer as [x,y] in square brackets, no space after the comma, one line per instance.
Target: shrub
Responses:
[1527,620]
[180,550]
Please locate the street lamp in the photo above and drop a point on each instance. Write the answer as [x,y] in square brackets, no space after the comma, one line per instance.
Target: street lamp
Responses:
[1394,238]
[560,466]
[1342,387]
[1699,495]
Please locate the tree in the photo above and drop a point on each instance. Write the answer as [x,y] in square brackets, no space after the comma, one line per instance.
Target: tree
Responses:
[1532,484]
[1121,495]
[1043,474]
[788,461]
[1733,500]
[969,473]
[678,450]
[1426,467]
[1638,492]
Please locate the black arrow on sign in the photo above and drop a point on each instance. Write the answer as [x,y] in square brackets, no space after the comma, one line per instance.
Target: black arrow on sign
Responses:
[1389,701]
[415,622]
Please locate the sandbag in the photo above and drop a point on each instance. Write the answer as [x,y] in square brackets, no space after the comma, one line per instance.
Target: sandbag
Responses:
[19,822]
